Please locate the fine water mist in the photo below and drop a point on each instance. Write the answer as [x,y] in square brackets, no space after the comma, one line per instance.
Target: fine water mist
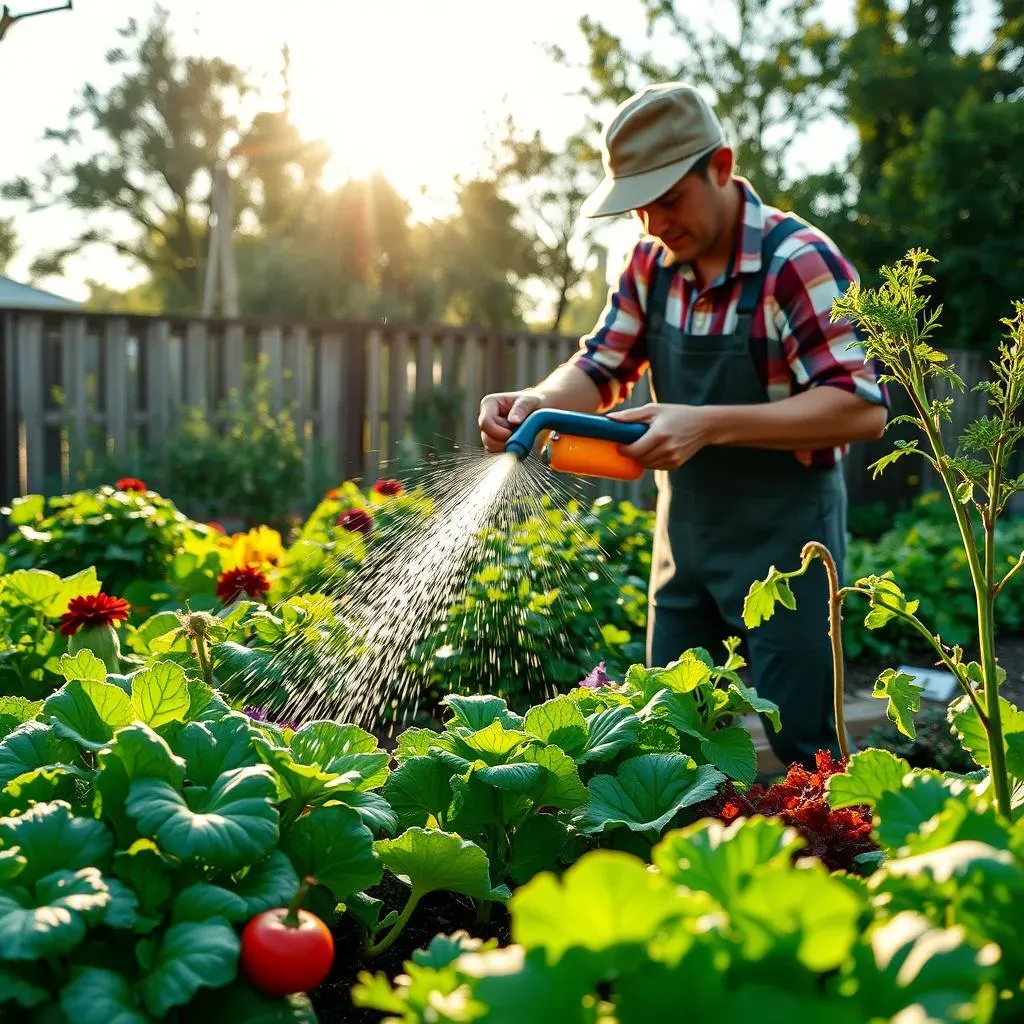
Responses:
[396,598]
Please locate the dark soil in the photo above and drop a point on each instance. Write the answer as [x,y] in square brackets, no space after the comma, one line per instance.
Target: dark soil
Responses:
[440,912]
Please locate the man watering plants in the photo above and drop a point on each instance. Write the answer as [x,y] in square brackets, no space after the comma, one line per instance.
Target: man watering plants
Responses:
[727,302]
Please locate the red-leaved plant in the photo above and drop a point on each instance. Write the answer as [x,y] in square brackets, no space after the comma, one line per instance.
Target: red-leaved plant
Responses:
[835,837]
[357,520]
[388,488]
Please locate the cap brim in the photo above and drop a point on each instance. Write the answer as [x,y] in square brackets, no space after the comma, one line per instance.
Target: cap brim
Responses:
[622,195]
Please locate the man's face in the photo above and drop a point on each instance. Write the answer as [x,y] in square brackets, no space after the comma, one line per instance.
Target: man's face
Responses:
[689,218]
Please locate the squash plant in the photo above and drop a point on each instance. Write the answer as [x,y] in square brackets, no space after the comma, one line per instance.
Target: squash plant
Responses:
[897,327]
[725,917]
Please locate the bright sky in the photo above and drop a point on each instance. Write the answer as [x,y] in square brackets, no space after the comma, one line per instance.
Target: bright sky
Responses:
[410,87]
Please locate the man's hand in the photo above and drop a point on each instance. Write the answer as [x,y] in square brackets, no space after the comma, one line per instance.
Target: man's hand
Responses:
[501,413]
[676,433]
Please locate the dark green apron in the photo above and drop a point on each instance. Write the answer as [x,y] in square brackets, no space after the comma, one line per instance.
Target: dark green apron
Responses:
[729,514]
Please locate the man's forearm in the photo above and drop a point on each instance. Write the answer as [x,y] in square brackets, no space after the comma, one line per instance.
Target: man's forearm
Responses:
[569,387]
[822,417]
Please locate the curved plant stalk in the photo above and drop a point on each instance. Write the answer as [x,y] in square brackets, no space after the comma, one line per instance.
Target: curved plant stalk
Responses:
[376,948]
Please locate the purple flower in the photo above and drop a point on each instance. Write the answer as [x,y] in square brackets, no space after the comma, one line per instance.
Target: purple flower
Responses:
[260,715]
[597,678]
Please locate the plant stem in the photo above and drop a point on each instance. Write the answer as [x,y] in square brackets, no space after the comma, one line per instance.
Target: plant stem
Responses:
[376,948]
[835,626]
[1015,568]
[917,624]
[291,917]
[204,660]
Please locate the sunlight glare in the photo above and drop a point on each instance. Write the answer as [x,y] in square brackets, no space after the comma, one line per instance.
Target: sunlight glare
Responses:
[388,89]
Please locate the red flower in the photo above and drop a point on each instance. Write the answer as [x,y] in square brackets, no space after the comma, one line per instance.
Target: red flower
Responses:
[358,520]
[92,610]
[131,483]
[835,837]
[390,488]
[333,494]
[216,527]
[247,579]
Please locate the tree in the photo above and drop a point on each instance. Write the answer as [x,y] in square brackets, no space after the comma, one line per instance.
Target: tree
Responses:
[8,242]
[146,189]
[940,133]
[770,72]
[549,187]
[8,20]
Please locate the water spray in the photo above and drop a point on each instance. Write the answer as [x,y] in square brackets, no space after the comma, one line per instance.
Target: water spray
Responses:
[580,443]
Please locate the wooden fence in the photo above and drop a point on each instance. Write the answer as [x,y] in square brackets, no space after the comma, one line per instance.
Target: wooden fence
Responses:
[79,387]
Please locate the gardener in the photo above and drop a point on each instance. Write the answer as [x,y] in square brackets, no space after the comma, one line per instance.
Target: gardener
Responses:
[727,302]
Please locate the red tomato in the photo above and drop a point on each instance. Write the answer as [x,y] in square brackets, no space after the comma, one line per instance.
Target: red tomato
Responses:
[281,959]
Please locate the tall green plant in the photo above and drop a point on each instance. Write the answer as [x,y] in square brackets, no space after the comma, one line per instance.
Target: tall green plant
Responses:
[897,325]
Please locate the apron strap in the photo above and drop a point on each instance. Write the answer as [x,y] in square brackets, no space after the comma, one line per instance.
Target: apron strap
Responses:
[657,295]
[754,283]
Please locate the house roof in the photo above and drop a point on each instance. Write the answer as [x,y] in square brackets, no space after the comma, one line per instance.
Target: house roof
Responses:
[15,295]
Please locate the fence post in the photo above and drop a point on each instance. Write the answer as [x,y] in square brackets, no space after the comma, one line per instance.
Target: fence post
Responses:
[30,404]
[73,374]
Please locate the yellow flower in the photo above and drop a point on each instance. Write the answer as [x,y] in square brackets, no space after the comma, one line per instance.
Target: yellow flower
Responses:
[260,546]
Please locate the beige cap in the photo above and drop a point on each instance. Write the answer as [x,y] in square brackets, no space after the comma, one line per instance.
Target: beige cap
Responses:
[655,137]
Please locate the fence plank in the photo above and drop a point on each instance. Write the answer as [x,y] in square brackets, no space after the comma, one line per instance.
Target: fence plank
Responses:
[295,363]
[329,399]
[353,354]
[9,488]
[524,368]
[472,394]
[270,345]
[424,365]
[115,345]
[159,405]
[195,362]
[234,362]
[73,373]
[30,404]
[398,389]
[372,455]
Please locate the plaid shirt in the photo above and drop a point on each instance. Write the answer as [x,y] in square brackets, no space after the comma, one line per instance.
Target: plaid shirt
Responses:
[793,343]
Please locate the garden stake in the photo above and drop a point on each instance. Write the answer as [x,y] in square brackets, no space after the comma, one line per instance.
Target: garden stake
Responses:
[580,443]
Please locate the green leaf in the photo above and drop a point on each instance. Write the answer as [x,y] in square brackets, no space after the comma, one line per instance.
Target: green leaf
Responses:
[231,824]
[334,846]
[901,813]
[96,995]
[609,732]
[479,710]
[83,665]
[560,786]
[763,595]
[160,694]
[22,986]
[886,596]
[339,749]
[559,721]
[377,814]
[604,901]
[427,860]
[55,922]
[868,776]
[646,793]
[420,791]
[240,1003]
[212,748]
[89,712]
[191,955]
[203,900]
[961,861]
[11,864]
[744,699]
[47,591]
[721,860]
[904,696]
[917,963]
[905,448]
[732,750]
[268,884]
[51,838]
[537,845]
[966,724]
[32,745]
[806,915]
[690,671]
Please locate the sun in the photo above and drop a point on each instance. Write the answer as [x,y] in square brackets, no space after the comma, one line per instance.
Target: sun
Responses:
[388,92]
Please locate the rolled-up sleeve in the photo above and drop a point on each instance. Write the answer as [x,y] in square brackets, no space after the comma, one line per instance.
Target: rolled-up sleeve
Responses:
[821,351]
[614,354]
